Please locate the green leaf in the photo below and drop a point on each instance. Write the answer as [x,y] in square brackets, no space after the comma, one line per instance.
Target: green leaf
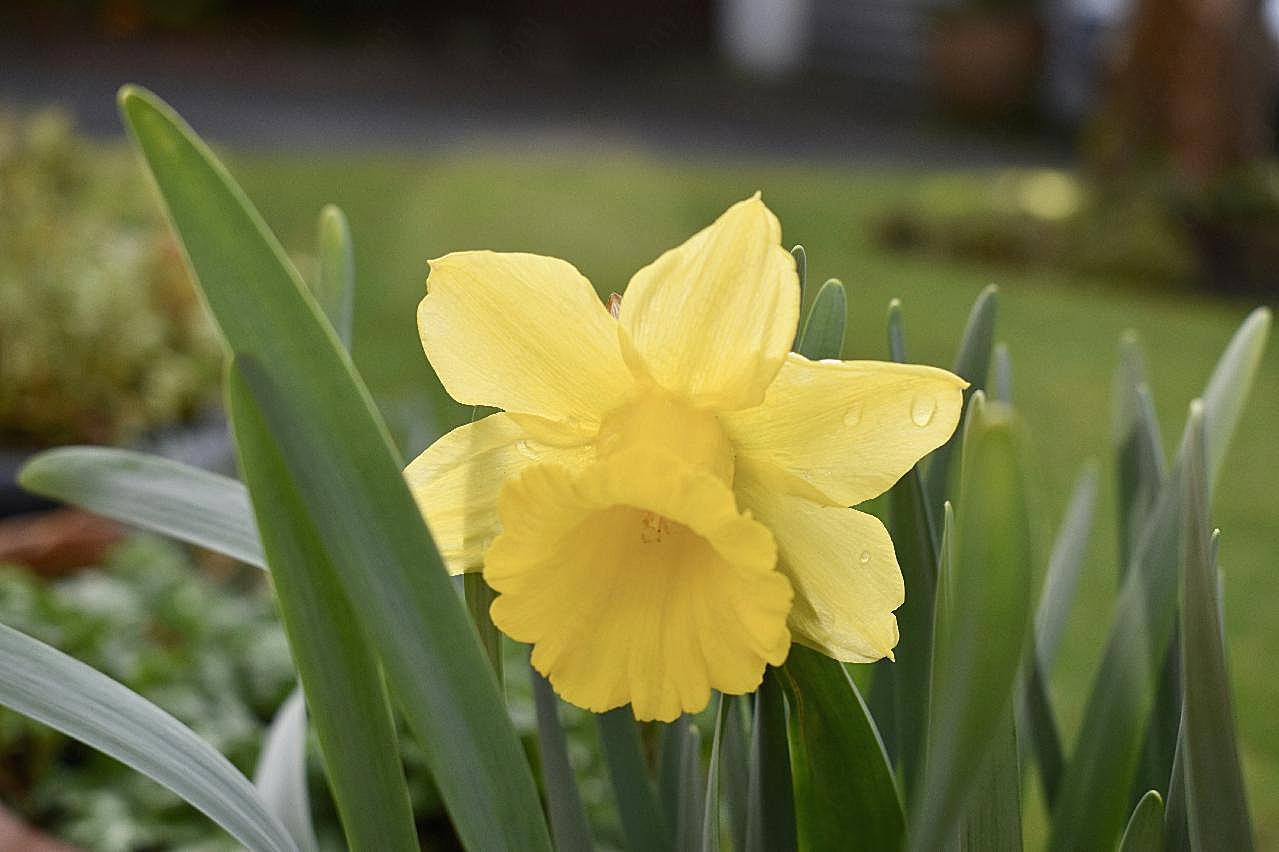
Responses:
[334,289]
[346,474]
[642,825]
[1002,379]
[801,268]
[710,817]
[734,767]
[1090,809]
[992,822]
[45,684]
[898,685]
[691,815]
[1145,831]
[1176,833]
[770,823]
[1216,804]
[982,624]
[972,363]
[1142,468]
[281,772]
[1227,390]
[569,826]
[479,597]
[1065,565]
[154,493]
[670,768]
[823,334]
[832,732]
[339,671]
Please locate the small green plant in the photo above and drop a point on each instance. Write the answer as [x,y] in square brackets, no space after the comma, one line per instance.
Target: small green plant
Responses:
[101,333]
[934,756]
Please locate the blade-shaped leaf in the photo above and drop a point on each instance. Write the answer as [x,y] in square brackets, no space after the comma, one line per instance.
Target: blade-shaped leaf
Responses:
[982,624]
[339,671]
[63,693]
[1139,449]
[281,772]
[823,334]
[691,815]
[831,733]
[1064,567]
[154,493]
[333,443]
[992,822]
[1227,390]
[1001,388]
[642,824]
[711,817]
[1091,808]
[479,597]
[972,363]
[670,768]
[1145,831]
[770,825]
[334,288]
[569,827]
[1216,804]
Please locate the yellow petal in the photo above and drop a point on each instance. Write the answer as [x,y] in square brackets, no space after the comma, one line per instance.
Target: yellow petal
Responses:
[712,320]
[521,332]
[637,581]
[456,480]
[841,432]
[844,571]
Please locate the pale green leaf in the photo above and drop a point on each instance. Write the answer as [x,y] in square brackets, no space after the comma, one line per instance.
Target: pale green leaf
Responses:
[281,772]
[1145,831]
[823,334]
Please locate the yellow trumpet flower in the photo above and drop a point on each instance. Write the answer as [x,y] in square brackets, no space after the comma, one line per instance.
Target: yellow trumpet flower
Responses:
[662,505]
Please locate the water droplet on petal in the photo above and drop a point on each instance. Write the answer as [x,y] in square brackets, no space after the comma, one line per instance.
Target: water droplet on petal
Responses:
[922,408]
[854,415]
[526,449]
[865,557]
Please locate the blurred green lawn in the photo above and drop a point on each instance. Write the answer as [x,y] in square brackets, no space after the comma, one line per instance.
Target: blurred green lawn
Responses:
[610,212]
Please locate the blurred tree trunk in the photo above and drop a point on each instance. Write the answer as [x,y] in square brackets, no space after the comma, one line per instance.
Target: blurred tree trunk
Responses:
[1190,90]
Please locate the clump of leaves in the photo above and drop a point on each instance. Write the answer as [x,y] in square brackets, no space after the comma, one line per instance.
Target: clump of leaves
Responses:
[101,333]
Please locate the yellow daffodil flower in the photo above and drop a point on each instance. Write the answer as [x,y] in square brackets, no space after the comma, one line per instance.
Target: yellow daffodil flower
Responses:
[662,505]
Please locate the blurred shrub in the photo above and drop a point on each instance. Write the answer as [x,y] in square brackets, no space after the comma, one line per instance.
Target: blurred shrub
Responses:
[210,653]
[101,333]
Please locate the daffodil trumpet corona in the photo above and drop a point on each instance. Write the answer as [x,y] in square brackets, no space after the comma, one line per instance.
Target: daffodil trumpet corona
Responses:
[663,503]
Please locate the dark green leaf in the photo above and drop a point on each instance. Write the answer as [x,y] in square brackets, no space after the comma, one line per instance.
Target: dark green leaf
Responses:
[153,493]
[65,694]
[1145,831]
[710,818]
[479,597]
[1002,380]
[569,826]
[642,824]
[982,623]
[339,671]
[346,474]
[992,822]
[823,334]
[691,816]
[844,786]
[1216,804]
[972,363]
[770,823]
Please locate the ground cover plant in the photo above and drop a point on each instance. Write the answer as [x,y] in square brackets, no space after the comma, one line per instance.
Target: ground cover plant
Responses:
[359,583]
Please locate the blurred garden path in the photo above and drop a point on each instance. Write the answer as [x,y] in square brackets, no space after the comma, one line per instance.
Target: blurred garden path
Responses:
[272,96]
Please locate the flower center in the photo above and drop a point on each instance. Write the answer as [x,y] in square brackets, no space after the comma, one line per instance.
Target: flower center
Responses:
[655,421]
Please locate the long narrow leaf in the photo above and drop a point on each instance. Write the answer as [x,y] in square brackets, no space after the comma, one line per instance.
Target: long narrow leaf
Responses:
[1217,806]
[770,823]
[63,693]
[641,816]
[832,731]
[972,363]
[569,827]
[992,822]
[1145,831]
[691,814]
[823,334]
[281,772]
[340,674]
[711,817]
[333,443]
[335,286]
[154,493]
[983,622]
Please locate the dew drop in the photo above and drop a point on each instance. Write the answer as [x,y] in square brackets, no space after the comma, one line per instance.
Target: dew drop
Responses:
[865,557]
[853,415]
[921,409]
[526,449]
